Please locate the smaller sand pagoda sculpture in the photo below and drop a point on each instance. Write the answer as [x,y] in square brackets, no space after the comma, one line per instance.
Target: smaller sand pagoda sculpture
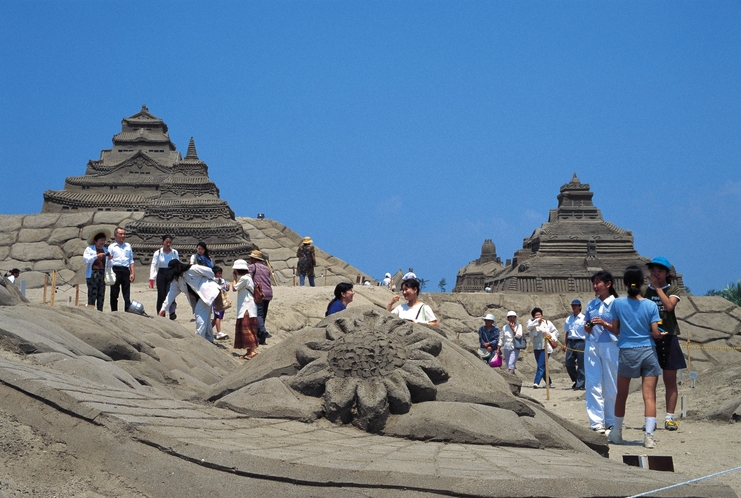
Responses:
[144,172]
[561,255]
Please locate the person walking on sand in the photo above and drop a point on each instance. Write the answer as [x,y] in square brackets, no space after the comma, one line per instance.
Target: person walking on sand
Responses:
[666,296]
[542,333]
[245,330]
[601,355]
[510,341]
[636,321]
[159,272]
[575,341]
[306,261]
[261,275]
[123,266]
[95,257]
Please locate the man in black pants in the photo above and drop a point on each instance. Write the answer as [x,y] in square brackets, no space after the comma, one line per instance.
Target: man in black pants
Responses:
[123,267]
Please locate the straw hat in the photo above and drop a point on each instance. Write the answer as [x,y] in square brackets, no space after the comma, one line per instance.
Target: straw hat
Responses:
[91,237]
[256,254]
[307,240]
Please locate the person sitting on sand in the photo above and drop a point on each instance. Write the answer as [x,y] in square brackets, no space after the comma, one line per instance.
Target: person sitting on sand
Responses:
[343,295]
[414,309]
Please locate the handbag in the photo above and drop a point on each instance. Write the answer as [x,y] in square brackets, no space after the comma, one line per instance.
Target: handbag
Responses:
[257,294]
[222,301]
[520,343]
[109,276]
[496,361]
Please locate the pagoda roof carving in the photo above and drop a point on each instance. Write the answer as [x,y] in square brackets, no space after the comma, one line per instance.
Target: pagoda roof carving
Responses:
[175,193]
[562,254]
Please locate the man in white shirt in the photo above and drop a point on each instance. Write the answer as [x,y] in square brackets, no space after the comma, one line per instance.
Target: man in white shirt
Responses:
[123,267]
[575,341]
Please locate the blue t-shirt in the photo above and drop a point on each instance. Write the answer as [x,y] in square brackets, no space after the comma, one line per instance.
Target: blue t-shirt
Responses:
[636,317]
[336,307]
[602,309]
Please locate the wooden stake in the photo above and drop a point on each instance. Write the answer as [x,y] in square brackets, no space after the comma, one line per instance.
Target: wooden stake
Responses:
[294,275]
[44,301]
[547,375]
[77,295]
[53,286]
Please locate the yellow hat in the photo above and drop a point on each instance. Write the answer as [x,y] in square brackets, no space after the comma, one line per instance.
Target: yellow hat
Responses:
[91,237]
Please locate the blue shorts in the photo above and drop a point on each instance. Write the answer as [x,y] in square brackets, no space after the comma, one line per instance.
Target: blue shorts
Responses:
[219,315]
[638,362]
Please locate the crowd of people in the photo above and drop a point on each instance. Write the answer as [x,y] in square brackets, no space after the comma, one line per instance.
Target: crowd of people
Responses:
[613,341]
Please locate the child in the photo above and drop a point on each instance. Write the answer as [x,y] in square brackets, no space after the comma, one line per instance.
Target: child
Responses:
[219,315]
[671,358]
[245,331]
[635,322]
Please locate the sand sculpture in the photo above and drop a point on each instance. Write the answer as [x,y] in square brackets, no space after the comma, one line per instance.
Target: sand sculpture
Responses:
[143,172]
[561,255]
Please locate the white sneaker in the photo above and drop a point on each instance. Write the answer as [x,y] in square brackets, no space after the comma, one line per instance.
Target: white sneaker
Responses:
[221,336]
[600,430]
[649,441]
[616,436]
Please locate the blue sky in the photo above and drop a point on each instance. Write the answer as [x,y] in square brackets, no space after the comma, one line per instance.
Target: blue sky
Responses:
[401,134]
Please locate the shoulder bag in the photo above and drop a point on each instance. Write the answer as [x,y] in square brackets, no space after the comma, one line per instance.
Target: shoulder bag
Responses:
[519,343]
[222,301]
[109,276]
[257,294]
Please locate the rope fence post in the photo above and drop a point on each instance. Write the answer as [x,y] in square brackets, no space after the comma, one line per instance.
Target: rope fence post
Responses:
[293,269]
[77,295]
[44,298]
[547,375]
[53,287]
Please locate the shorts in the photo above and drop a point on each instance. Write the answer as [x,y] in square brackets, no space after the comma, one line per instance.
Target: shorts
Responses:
[638,362]
[219,315]
[670,353]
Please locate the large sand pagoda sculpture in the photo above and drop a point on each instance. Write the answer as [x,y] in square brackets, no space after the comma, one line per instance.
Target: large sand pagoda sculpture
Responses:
[143,171]
[561,255]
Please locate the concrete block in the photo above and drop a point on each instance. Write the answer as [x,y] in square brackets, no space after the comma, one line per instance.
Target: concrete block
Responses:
[44,220]
[35,251]
[9,223]
[74,247]
[8,238]
[62,235]
[34,234]
[49,264]
[75,219]
[110,217]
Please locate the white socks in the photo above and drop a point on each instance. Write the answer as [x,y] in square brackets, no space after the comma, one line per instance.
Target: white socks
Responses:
[650,425]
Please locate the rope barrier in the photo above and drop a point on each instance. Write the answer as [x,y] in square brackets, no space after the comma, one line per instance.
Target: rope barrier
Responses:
[686,482]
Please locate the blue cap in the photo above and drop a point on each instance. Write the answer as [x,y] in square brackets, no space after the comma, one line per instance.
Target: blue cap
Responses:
[576,301]
[660,261]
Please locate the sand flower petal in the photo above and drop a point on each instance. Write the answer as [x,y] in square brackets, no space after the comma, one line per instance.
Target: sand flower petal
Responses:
[400,400]
[339,398]
[372,405]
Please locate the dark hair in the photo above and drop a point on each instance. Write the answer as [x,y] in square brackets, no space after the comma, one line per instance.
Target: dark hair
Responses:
[536,310]
[217,269]
[205,249]
[411,283]
[176,269]
[99,236]
[117,229]
[339,289]
[633,280]
[606,277]
[166,236]
[241,272]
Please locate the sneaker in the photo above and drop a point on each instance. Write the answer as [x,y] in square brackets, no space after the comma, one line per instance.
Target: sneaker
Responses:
[671,425]
[649,441]
[616,436]
[535,386]
[221,336]
[173,316]
[551,385]
[601,430]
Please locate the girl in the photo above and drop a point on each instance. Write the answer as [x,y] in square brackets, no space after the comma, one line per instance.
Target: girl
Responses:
[414,309]
[343,295]
[201,257]
[219,315]
[245,331]
[601,355]
[159,272]
[635,321]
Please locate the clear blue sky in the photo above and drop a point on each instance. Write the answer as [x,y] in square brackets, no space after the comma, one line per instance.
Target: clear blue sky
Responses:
[401,134]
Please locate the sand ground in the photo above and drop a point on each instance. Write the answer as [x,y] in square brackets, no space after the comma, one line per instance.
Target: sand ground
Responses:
[42,455]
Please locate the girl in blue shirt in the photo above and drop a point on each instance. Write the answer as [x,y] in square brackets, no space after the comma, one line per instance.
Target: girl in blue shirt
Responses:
[635,322]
